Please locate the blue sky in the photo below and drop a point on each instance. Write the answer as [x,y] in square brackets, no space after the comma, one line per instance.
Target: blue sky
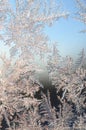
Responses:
[66,32]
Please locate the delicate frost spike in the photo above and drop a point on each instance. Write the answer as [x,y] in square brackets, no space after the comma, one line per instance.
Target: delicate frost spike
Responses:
[81,60]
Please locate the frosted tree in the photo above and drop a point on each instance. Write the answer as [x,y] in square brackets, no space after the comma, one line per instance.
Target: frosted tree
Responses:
[81,15]
[24,30]
[21,30]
